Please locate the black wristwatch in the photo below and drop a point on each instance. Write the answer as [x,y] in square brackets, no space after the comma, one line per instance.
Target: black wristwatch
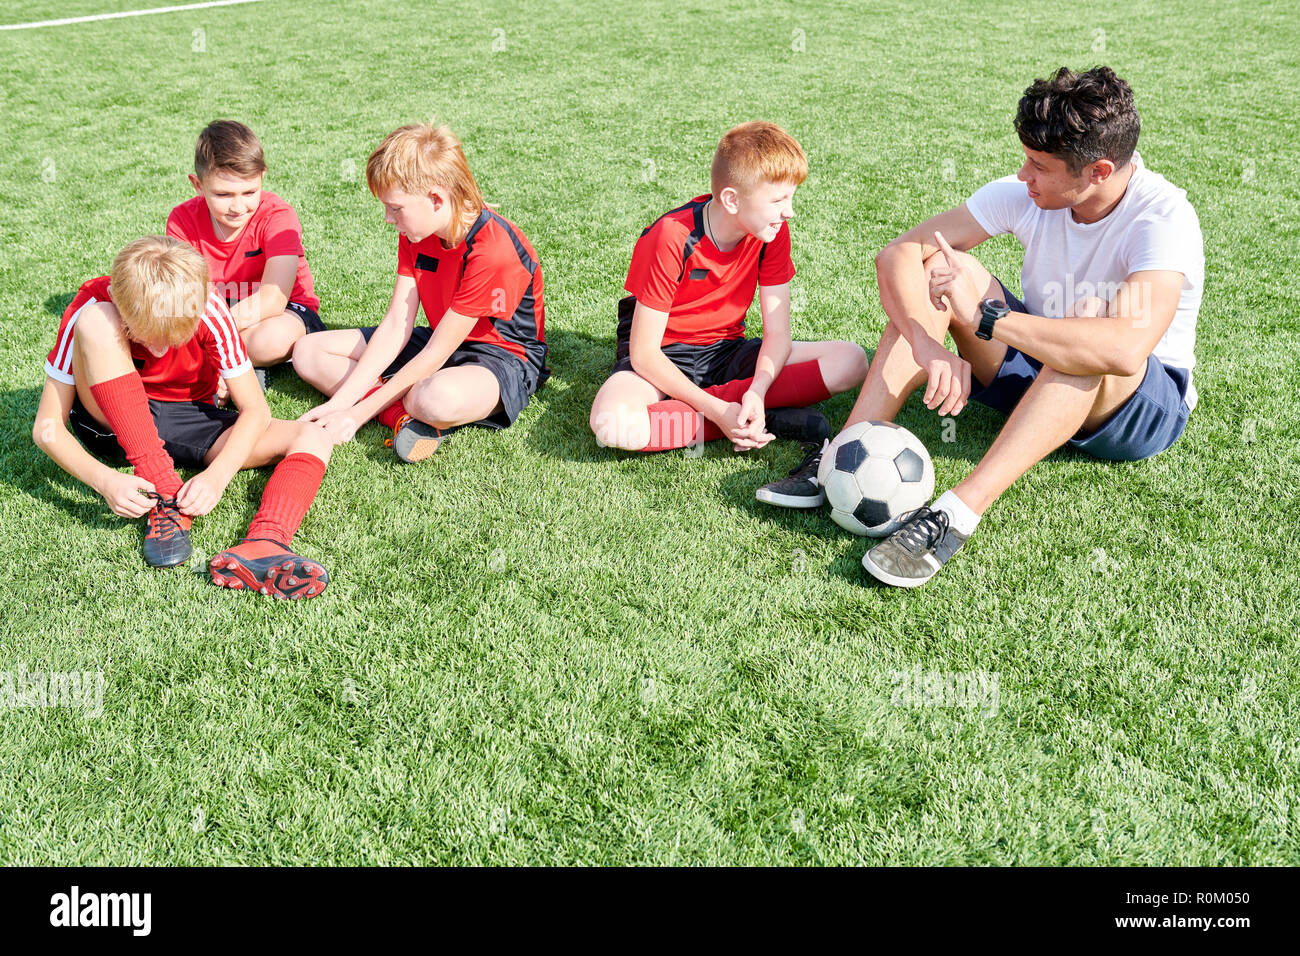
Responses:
[990,311]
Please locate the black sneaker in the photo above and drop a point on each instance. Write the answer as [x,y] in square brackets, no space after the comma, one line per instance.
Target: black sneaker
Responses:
[167,534]
[804,425]
[800,489]
[915,552]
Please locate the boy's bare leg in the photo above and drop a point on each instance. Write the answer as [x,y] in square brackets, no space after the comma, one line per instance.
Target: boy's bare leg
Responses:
[454,396]
[271,341]
[620,413]
[843,365]
[324,359]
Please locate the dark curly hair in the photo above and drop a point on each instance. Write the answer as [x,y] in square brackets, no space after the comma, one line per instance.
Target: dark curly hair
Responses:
[1081,117]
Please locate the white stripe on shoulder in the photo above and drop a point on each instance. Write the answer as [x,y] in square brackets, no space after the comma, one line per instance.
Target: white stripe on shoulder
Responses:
[63,358]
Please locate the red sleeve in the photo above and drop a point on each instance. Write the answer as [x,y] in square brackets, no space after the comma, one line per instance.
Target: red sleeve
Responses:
[493,283]
[777,268]
[176,224]
[223,342]
[656,268]
[282,233]
[405,262]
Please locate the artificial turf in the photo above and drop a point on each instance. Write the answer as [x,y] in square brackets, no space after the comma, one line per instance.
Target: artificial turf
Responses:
[534,650]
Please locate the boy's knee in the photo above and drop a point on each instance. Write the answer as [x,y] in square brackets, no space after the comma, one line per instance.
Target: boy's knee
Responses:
[434,402]
[304,353]
[618,428]
[847,368]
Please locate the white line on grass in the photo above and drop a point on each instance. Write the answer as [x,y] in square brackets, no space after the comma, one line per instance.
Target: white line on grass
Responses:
[117,16]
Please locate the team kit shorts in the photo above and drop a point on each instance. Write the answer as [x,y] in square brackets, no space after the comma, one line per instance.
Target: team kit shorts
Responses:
[722,361]
[517,380]
[1150,420]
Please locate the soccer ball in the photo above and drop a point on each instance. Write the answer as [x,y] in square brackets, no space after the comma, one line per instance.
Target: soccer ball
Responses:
[873,473]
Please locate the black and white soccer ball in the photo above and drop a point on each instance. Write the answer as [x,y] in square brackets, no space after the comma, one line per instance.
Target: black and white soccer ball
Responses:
[873,473]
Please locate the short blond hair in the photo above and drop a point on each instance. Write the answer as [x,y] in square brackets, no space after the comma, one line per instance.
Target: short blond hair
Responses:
[160,287]
[417,158]
[755,153]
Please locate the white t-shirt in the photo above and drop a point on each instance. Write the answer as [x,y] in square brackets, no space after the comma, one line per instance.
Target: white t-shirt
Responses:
[1153,227]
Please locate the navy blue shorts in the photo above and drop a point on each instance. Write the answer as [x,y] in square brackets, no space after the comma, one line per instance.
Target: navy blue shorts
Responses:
[722,361]
[1149,422]
[188,430]
[517,380]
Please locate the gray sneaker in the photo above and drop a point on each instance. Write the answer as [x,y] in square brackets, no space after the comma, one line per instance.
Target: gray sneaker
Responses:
[800,489]
[413,440]
[915,552]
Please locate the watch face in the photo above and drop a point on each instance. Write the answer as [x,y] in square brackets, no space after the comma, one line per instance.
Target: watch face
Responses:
[994,308]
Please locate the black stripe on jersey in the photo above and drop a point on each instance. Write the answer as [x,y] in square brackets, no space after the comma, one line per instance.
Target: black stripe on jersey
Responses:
[522,326]
[426,263]
[696,234]
[252,252]
[699,273]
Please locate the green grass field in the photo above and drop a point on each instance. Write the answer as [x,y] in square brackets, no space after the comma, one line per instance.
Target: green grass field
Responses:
[537,651]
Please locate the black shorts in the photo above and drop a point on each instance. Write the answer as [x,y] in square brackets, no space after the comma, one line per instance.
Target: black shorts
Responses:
[722,361]
[516,380]
[308,315]
[310,320]
[188,430]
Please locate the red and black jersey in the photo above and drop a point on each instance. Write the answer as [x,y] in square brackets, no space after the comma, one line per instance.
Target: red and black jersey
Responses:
[236,267]
[187,373]
[677,269]
[492,275]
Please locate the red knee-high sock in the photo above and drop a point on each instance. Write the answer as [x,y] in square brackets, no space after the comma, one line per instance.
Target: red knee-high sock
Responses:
[675,424]
[287,497]
[798,386]
[125,405]
[389,416]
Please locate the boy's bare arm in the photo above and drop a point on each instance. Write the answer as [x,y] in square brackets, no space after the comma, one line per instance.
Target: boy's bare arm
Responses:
[121,492]
[201,493]
[272,294]
[649,361]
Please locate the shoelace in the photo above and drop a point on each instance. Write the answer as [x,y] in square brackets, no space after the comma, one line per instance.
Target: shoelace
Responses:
[922,529]
[397,427]
[165,516]
[812,453]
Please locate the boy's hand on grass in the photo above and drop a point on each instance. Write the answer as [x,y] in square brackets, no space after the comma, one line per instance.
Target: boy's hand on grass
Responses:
[123,493]
[201,493]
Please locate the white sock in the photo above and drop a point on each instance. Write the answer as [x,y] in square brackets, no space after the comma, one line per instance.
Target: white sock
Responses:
[960,518]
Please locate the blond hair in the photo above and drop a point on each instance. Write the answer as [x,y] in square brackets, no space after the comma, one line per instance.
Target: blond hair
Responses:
[418,157]
[755,153]
[160,287]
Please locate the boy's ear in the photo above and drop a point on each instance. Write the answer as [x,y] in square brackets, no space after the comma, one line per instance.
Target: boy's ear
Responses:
[194,181]
[730,199]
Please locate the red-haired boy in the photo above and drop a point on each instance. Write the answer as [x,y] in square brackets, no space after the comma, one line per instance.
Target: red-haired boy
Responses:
[684,370]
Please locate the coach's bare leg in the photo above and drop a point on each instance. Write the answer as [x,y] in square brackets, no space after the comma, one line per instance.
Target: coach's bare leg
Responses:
[894,373]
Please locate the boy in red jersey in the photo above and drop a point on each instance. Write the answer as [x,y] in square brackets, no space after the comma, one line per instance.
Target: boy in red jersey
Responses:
[133,370]
[685,372]
[252,243]
[483,353]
